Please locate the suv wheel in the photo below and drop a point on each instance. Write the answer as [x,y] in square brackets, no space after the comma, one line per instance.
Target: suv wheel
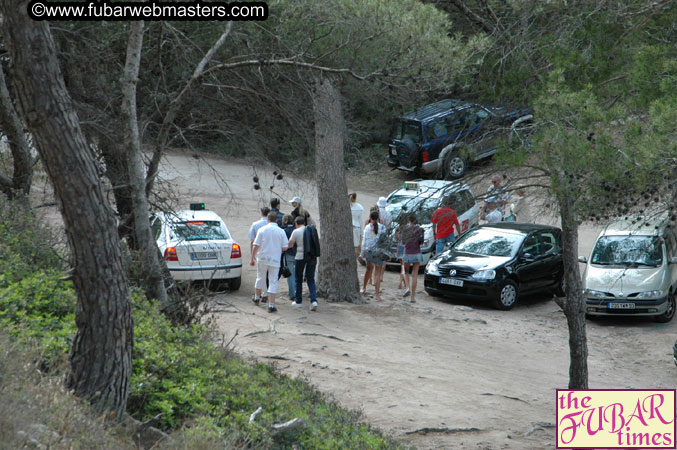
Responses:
[670,312]
[455,165]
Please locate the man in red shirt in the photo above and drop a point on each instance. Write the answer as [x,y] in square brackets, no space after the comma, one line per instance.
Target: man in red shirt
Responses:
[444,219]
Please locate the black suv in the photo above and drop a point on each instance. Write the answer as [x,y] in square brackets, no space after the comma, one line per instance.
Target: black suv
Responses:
[444,137]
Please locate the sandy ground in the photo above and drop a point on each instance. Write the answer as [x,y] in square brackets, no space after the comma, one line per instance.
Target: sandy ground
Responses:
[435,374]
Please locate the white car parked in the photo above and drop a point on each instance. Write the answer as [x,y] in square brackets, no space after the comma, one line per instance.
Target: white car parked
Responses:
[632,270]
[423,197]
[197,245]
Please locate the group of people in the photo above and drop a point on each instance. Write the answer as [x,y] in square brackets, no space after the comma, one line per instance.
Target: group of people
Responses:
[496,207]
[372,244]
[279,241]
[282,241]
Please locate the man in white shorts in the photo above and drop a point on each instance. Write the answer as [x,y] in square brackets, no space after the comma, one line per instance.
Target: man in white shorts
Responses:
[269,244]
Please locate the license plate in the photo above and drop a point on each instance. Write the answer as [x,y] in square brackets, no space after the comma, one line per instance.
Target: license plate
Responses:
[621,306]
[203,255]
[451,282]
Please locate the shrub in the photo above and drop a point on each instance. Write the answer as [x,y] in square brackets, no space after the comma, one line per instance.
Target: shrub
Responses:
[177,370]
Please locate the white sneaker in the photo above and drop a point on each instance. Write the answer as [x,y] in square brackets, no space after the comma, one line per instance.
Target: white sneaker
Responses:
[296,305]
[313,306]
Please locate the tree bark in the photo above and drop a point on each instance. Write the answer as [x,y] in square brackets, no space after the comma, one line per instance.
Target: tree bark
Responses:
[574,305]
[150,265]
[101,356]
[338,270]
[22,176]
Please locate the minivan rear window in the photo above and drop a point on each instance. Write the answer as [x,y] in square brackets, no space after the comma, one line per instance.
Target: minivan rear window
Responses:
[628,251]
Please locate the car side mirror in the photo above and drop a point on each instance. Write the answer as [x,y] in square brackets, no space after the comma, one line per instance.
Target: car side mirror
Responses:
[583,259]
[527,257]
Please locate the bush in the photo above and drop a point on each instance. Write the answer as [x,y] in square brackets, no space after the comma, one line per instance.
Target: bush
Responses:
[177,370]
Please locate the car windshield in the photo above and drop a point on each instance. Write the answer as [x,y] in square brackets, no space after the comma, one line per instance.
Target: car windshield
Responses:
[628,251]
[406,129]
[421,206]
[489,242]
[200,230]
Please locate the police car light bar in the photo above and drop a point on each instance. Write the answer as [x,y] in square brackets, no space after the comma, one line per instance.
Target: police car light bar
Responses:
[197,206]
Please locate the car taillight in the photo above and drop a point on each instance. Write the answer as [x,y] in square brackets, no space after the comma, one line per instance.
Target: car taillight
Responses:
[236,253]
[170,254]
[425,156]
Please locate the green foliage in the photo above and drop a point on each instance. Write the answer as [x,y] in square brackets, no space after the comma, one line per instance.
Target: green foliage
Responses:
[40,308]
[178,371]
[25,245]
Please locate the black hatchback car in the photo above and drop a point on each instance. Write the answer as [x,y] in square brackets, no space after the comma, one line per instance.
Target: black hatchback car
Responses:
[499,262]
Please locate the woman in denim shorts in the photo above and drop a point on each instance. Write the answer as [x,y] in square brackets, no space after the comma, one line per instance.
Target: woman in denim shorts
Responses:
[412,238]
[374,256]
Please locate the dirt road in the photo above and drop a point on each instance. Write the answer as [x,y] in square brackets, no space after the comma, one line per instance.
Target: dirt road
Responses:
[438,374]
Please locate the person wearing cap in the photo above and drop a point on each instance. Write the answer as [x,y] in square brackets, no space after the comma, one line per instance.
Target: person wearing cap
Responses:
[383,214]
[299,210]
[275,207]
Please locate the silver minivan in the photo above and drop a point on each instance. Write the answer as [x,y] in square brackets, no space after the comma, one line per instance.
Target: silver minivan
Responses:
[632,270]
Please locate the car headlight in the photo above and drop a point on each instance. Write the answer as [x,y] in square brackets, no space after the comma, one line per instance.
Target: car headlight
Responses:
[426,243]
[432,267]
[646,295]
[484,274]
[591,293]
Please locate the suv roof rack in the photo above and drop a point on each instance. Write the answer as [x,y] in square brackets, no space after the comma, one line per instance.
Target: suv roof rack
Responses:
[434,108]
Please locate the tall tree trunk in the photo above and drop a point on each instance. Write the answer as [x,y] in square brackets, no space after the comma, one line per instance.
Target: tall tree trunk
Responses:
[117,171]
[20,182]
[338,269]
[574,306]
[101,356]
[150,265]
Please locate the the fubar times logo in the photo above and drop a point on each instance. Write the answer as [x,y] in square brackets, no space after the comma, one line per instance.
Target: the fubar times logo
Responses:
[616,418]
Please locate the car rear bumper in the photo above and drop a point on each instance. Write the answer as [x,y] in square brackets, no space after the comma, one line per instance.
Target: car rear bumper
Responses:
[206,272]
[393,162]
[641,307]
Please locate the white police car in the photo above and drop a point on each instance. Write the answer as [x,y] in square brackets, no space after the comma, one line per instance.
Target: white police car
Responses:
[423,197]
[197,245]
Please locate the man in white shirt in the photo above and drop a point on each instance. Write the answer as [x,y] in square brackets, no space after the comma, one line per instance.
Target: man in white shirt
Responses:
[268,246]
[256,226]
[253,229]
[494,215]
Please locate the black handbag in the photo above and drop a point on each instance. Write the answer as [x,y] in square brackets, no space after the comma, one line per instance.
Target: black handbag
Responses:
[284,270]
